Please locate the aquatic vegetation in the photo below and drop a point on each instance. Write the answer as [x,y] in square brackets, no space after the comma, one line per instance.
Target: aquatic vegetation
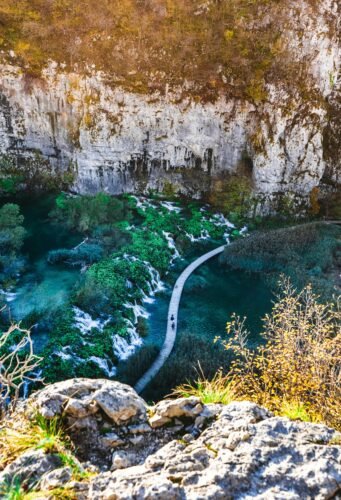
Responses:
[84,254]
[129,246]
[183,364]
[12,235]
[307,253]
[85,213]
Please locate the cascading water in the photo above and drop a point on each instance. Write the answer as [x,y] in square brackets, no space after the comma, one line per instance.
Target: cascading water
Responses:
[85,323]
[171,245]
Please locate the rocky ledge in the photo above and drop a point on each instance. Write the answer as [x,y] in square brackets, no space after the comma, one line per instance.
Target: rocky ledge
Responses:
[177,449]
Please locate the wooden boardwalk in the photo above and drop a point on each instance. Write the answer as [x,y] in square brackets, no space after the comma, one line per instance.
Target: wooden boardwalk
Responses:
[172,321]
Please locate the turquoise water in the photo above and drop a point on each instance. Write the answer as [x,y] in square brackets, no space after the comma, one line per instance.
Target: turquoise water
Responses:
[210,296]
[42,287]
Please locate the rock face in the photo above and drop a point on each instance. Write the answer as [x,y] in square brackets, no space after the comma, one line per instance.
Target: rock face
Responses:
[202,452]
[82,398]
[246,453]
[117,141]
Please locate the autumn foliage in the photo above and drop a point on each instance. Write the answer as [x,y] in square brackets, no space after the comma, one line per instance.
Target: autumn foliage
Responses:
[298,369]
[232,45]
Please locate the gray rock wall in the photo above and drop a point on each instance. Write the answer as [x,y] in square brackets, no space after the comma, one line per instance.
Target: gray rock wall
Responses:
[118,141]
[177,449]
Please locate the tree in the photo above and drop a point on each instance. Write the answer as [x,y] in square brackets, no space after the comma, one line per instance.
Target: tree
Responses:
[233,196]
[17,365]
[12,233]
[299,368]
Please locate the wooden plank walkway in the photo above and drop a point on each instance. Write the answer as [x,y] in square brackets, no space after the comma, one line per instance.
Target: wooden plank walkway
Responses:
[172,321]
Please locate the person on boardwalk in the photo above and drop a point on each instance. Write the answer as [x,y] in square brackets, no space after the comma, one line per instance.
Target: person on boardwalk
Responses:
[169,341]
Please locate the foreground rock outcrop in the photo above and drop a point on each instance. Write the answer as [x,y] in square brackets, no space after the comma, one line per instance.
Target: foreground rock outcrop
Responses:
[178,449]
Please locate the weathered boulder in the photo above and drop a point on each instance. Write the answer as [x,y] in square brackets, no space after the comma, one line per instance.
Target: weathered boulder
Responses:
[56,478]
[239,451]
[121,460]
[177,408]
[112,440]
[120,403]
[83,398]
[245,453]
[29,467]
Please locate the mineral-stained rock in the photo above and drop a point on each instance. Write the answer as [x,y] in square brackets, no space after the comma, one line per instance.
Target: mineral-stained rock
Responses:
[29,467]
[183,407]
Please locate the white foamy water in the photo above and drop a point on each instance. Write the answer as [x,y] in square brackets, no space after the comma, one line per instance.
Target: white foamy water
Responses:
[9,296]
[169,205]
[221,221]
[67,354]
[104,365]
[124,349]
[155,285]
[135,339]
[171,245]
[85,323]
[205,235]
[138,310]
[143,203]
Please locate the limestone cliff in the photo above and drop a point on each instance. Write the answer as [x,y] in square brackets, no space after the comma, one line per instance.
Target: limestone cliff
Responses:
[281,132]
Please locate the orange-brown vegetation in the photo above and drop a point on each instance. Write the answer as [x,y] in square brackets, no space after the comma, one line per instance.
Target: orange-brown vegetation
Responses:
[235,46]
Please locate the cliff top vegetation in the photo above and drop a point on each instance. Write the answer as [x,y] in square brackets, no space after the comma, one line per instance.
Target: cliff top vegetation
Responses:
[233,46]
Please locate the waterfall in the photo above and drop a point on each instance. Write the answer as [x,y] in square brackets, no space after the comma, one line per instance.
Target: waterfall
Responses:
[171,245]
[170,206]
[9,296]
[104,365]
[85,323]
